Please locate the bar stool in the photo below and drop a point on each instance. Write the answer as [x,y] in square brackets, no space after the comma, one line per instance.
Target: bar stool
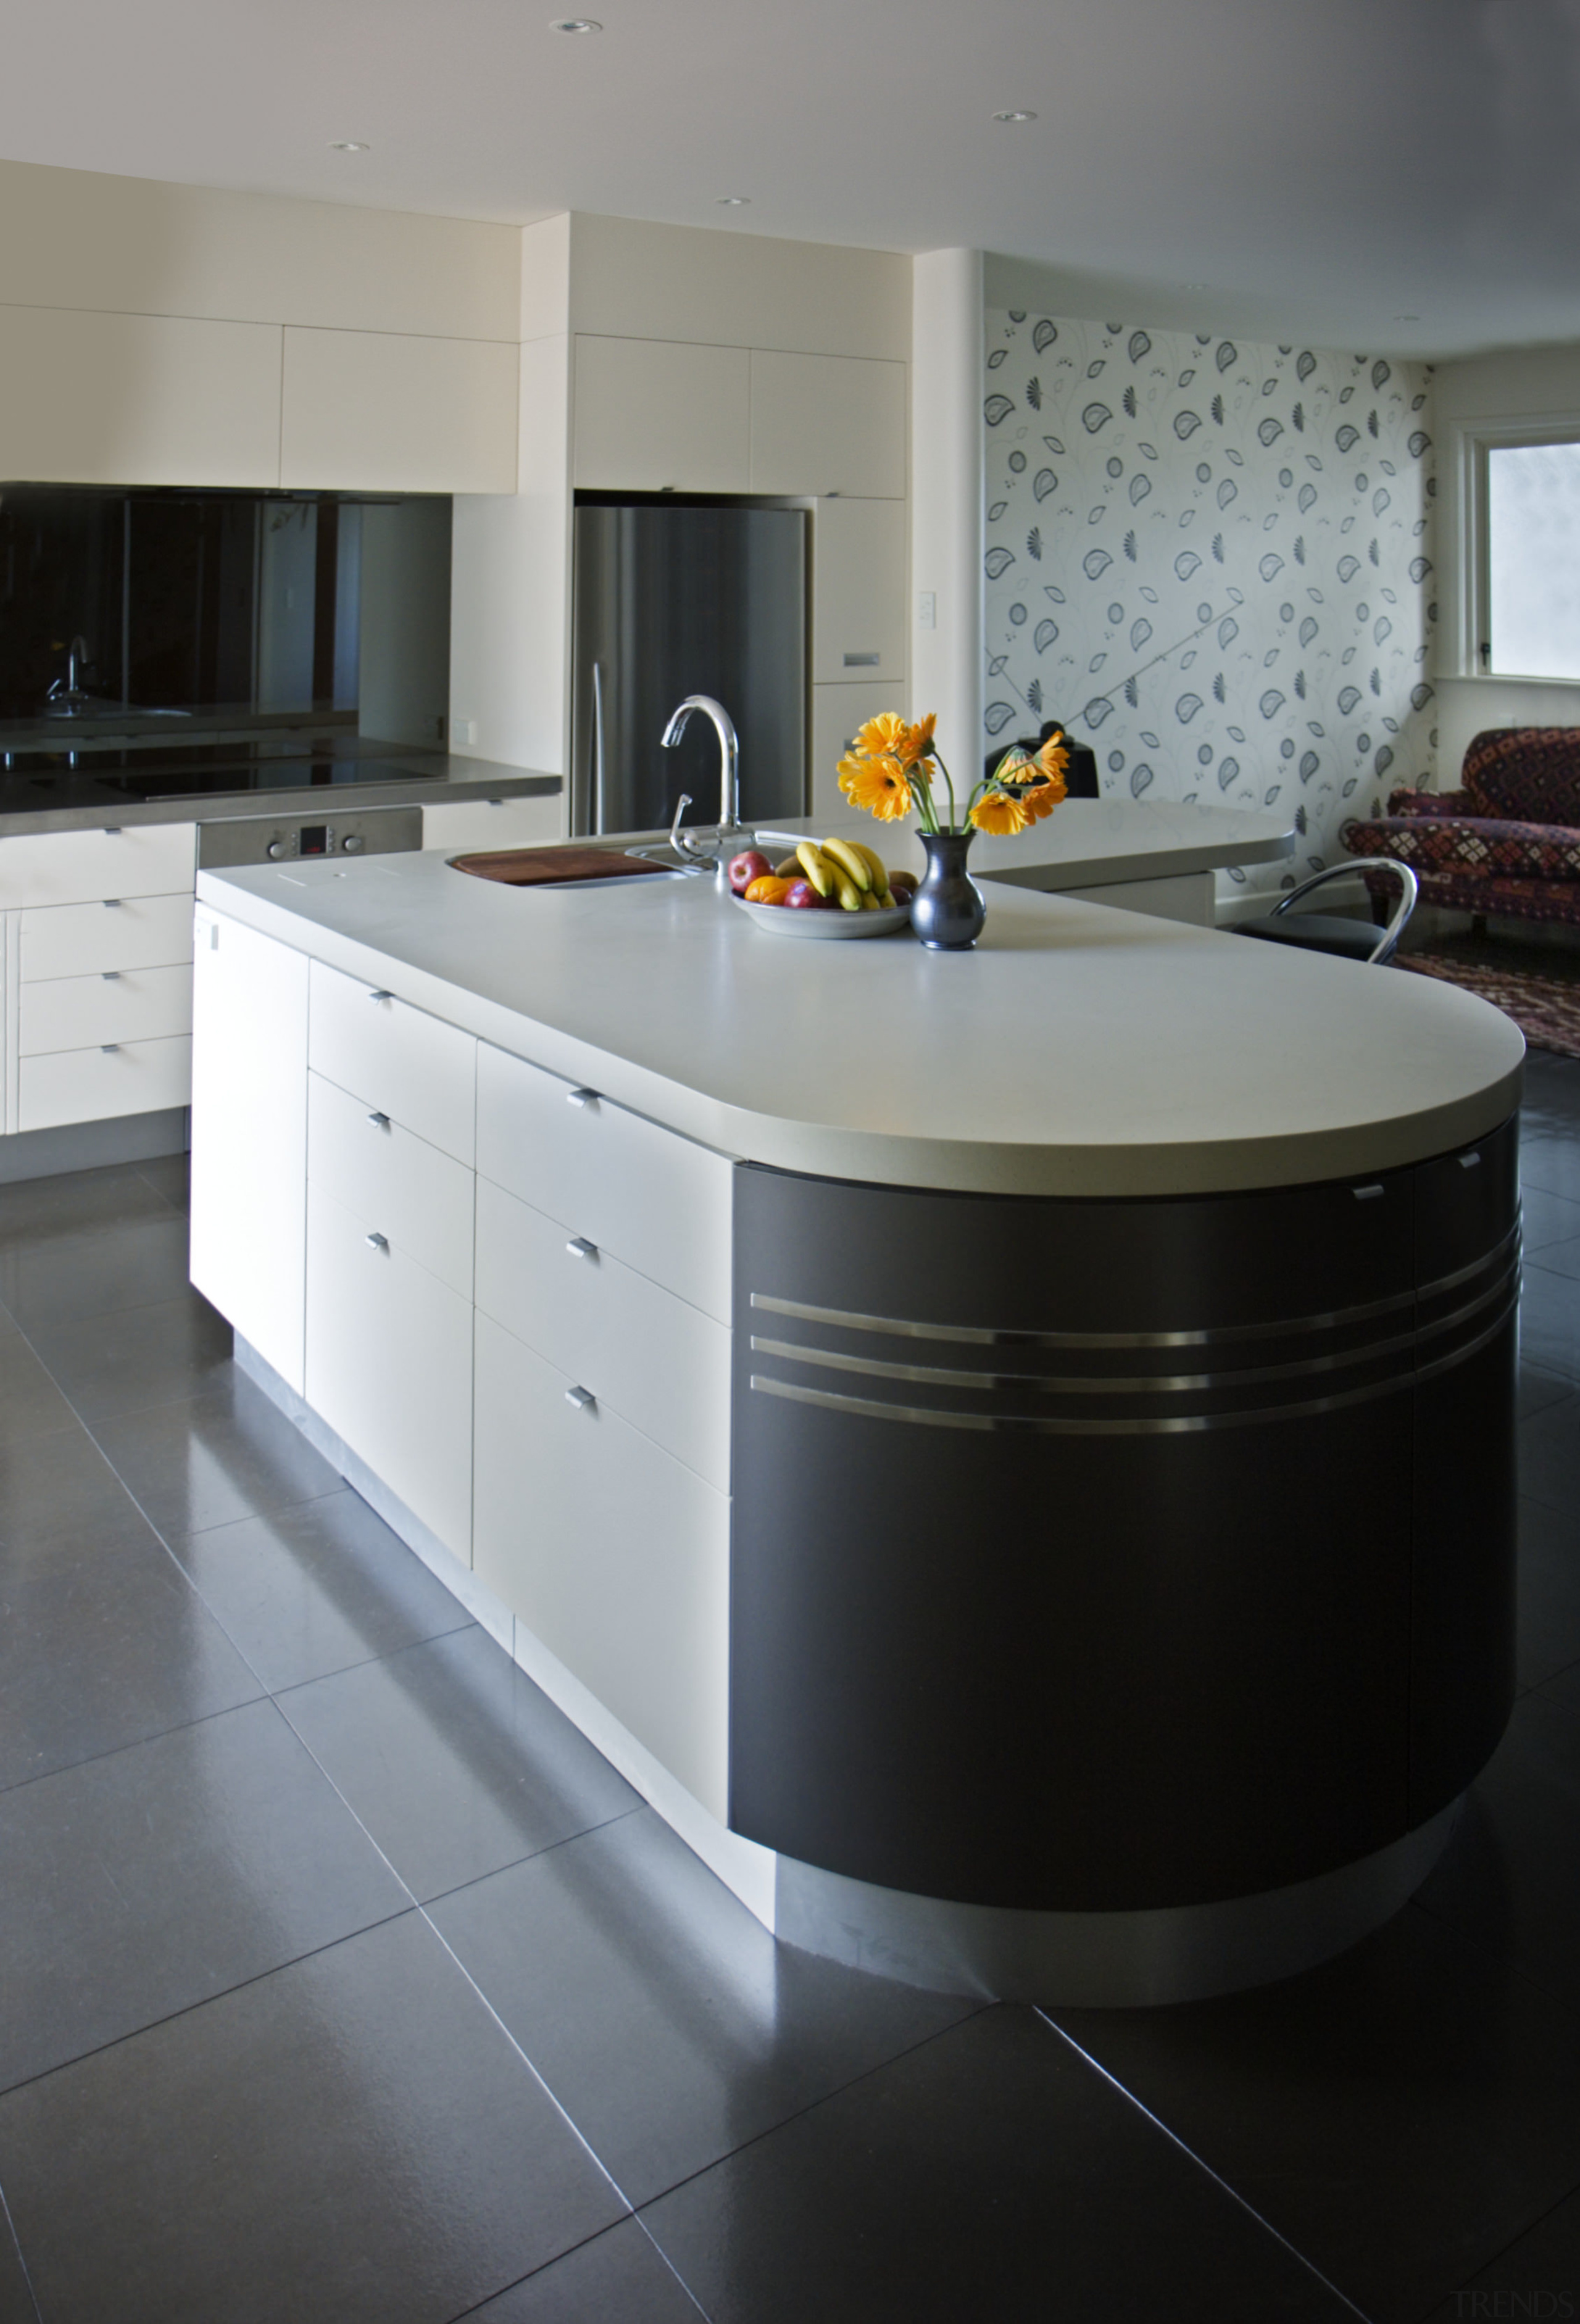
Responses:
[1326,931]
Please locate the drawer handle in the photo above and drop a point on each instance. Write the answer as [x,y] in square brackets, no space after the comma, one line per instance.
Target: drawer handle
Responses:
[112,831]
[1367,1194]
[581,1248]
[110,1048]
[582,1397]
[379,1121]
[110,975]
[381,996]
[1469,1161]
[581,1097]
[378,1242]
[111,903]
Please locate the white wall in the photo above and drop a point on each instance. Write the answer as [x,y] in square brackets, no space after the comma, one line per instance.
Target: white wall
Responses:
[947,508]
[1521,385]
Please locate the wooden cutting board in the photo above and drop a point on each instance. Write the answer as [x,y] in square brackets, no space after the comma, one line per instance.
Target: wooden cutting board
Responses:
[541,867]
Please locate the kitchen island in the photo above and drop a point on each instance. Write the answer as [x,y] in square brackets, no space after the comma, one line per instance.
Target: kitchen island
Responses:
[1010,1452]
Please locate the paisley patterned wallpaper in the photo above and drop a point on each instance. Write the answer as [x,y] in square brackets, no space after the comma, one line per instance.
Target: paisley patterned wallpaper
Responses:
[1214,563]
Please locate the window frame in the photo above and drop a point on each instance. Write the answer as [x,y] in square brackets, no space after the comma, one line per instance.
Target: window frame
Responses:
[1472,618]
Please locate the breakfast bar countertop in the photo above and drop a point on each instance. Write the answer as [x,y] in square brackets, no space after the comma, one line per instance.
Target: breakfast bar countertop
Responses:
[1079,1050]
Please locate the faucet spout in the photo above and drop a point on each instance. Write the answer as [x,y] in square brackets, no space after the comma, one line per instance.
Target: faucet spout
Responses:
[729,747]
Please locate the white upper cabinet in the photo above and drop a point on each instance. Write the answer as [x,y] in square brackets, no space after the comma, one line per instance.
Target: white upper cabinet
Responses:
[651,413]
[382,412]
[828,424]
[138,399]
[859,592]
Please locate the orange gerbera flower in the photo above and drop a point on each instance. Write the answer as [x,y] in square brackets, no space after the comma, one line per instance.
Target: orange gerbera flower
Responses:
[999,812]
[879,737]
[1040,797]
[877,785]
[916,742]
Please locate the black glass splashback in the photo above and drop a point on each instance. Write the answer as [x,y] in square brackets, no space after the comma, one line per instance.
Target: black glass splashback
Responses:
[264,605]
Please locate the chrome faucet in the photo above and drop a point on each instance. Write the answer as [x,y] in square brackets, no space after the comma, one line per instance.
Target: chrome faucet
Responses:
[729,747]
[70,697]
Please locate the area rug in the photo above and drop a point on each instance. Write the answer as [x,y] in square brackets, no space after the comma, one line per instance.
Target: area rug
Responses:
[1535,984]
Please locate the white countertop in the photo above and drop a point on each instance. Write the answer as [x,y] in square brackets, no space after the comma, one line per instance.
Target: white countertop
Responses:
[1078,1051]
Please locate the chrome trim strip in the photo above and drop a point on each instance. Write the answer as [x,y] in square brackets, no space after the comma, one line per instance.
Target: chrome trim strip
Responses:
[1122,1383]
[1161,1425]
[977,1336]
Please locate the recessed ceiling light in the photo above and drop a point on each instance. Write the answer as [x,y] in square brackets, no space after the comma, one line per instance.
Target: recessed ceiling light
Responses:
[735,201]
[348,145]
[1014,117]
[576,24]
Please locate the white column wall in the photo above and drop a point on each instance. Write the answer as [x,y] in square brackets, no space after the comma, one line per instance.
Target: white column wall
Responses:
[947,500]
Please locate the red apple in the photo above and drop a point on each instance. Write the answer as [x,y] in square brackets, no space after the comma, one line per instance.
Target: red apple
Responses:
[803,897]
[903,886]
[745,869]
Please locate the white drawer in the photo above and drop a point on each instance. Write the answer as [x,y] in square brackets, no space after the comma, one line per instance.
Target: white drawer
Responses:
[91,1085]
[396,1059]
[74,867]
[655,1360]
[129,1004]
[617,1556]
[84,939]
[651,1198]
[388,1366]
[418,1199]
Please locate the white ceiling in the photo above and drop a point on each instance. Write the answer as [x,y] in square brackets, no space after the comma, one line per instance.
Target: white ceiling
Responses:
[1293,169]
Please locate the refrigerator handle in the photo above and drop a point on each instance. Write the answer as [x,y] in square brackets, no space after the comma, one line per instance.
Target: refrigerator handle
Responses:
[597,767]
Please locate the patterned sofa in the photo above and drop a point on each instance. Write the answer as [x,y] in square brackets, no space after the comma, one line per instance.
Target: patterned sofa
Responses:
[1507,842]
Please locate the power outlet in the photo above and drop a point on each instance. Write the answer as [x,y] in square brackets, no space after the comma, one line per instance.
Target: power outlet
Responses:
[927,609]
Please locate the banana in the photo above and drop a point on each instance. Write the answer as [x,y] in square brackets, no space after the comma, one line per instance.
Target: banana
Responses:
[850,896]
[872,901]
[879,874]
[851,861]
[818,870]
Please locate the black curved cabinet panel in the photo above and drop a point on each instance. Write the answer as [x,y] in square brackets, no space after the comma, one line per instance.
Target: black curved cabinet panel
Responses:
[1108,1555]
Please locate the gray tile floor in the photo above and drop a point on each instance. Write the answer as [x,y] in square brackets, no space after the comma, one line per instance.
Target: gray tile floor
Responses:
[340,1979]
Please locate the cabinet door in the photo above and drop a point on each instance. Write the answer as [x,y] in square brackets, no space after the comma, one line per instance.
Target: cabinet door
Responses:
[651,414]
[461,825]
[396,1059]
[655,1360]
[828,424]
[80,1012]
[611,1553]
[859,585]
[79,867]
[88,940]
[380,411]
[655,1199]
[249,1135]
[389,1365]
[98,1083]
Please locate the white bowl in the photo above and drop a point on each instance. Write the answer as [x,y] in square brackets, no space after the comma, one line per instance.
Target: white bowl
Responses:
[824,926]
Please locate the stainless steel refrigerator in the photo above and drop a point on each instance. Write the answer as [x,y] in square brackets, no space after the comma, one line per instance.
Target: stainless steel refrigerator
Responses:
[675,597]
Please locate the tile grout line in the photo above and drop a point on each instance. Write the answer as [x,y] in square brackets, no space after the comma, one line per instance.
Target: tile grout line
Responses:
[205,2001]
[1218,2180]
[21,2255]
[635,2218]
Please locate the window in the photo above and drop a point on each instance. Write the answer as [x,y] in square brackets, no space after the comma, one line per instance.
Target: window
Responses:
[1530,594]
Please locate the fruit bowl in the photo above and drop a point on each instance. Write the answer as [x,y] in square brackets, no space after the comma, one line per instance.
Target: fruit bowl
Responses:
[824,926]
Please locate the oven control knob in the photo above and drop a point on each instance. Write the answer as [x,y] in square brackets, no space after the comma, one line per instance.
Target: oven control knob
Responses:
[352,843]
[276,850]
